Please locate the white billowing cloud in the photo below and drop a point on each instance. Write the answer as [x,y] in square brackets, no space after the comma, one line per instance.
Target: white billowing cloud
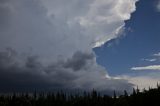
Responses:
[62,27]
[99,20]
[151,67]
[62,33]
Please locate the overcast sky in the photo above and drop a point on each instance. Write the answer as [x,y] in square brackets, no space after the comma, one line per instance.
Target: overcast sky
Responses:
[56,44]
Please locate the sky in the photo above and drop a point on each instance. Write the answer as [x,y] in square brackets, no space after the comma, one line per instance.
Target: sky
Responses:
[137,52]
[79,44]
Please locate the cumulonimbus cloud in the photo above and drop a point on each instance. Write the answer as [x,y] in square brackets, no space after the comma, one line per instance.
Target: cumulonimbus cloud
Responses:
[61,33]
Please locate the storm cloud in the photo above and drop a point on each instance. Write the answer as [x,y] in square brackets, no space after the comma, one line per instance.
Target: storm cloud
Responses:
[50,43]
[28,74]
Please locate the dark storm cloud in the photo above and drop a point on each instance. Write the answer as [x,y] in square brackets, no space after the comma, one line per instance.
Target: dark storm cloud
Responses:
[30,74]
[78,61]
[15,76]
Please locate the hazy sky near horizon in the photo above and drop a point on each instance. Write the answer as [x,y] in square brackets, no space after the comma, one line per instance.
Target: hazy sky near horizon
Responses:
[79,44]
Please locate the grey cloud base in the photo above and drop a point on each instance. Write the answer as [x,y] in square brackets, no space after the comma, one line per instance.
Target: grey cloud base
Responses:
[31,75]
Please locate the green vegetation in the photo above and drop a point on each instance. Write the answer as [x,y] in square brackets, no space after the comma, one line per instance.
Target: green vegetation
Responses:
[145,98]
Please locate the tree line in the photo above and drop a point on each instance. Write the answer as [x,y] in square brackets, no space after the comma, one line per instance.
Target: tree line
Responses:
[149,97]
